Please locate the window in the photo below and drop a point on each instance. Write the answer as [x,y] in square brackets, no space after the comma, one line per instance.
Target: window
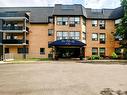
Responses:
[77,20]
[50,32]
[65,21]
[68,35]
[94,36]
[42,50]
[102,38]
[74,35]
[94,51]
[102,52]
[8,37]
[71,35]
[62,35]
[94,23]
[102,24]
[84,35]
[59,35]
[50,19]
[73,21]
[62,20]
[77,35]
[6,50]
[15,37]
[59,20]
[65,35]
[23,50]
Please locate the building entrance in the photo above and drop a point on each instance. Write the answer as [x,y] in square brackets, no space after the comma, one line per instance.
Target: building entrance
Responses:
[68,52]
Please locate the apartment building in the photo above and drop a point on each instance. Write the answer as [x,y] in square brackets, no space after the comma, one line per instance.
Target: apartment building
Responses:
[65,31]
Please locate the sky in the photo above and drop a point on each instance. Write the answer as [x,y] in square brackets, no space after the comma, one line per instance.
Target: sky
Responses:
[95,4]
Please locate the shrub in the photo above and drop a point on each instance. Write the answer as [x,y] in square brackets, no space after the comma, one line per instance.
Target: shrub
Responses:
[114,55]
[95,57]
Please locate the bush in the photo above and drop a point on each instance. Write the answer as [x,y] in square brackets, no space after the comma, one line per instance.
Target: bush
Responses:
[114,55]
[95,57]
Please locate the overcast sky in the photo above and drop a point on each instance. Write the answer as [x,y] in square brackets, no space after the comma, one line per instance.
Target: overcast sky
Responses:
[87,3]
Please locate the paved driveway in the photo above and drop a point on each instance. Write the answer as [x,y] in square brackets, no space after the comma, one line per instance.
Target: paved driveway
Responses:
[61,78]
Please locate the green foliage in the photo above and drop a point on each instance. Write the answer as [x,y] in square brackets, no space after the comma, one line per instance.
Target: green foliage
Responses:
[114,55]
[121,28]
[95,57]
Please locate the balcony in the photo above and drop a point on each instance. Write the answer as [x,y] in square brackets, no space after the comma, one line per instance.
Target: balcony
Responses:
[14,29]
[14,41]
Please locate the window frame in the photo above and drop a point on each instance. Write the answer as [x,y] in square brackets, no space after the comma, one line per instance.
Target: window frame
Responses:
[74,36]
[73,20]
[103,39]
[62,20]
[95,53]
[50,32]
[93,23]
[94,39]
[102,25]
[102,54]
[7,50]
[42,51]
[21,51]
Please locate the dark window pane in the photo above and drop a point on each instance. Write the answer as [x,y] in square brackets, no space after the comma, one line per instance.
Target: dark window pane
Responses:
[50,32]
[23,50]
[6,50]
[94,51]
[102,38]
[42,50]
[102,52]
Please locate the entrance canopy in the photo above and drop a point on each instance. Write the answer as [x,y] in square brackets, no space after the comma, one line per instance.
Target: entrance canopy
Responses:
[67,42]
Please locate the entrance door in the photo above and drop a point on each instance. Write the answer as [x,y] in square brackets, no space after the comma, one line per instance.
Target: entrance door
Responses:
[68,52]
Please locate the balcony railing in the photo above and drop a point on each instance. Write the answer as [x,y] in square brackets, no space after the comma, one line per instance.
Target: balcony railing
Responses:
[13,41]
[12,28]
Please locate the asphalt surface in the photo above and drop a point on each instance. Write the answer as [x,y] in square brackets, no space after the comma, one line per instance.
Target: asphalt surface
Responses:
[63,78]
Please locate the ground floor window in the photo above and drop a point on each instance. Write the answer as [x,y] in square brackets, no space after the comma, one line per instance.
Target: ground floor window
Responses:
[102,52]
[42,50]
[94,51]
[6,50]
[22,50]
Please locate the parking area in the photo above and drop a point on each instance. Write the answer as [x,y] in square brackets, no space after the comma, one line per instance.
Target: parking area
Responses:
[61,78]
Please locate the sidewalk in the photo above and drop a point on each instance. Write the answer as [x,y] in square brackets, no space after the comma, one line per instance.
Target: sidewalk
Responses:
[105,61]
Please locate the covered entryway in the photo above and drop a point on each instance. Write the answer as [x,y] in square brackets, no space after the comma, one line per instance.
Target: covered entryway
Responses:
[68,48]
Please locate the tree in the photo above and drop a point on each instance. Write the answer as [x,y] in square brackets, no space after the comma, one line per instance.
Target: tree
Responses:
[121,29]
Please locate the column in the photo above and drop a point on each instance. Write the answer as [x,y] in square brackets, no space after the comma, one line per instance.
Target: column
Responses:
[81,53]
